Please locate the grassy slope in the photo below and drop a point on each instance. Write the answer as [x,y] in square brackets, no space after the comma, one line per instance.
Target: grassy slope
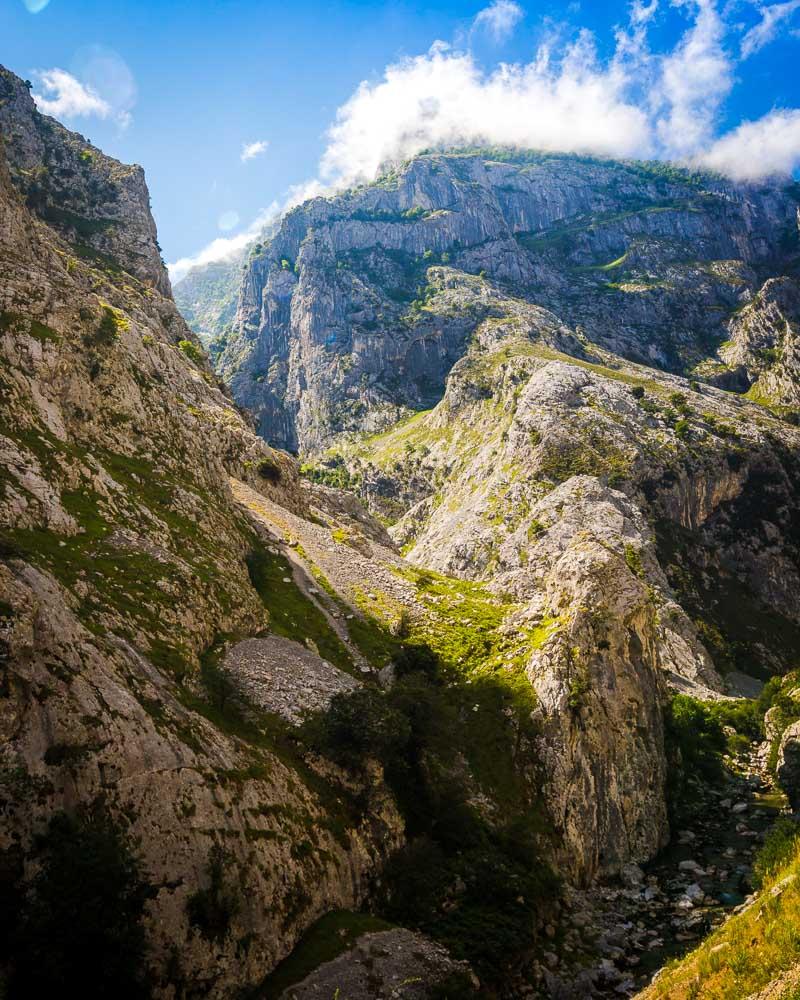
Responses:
[750,951]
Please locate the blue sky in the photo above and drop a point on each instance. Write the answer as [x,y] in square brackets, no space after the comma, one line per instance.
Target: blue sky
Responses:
[182,87]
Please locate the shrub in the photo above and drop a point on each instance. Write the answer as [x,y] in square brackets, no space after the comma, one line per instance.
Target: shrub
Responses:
[357,726]
[694,743]
[416,658]
[108,329]
[633,560]
[194,353]
[80,931]
[683,428]
[269,470]
[211,910]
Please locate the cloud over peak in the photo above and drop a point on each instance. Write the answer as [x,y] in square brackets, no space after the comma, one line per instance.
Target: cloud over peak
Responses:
[637,102]
[62,96]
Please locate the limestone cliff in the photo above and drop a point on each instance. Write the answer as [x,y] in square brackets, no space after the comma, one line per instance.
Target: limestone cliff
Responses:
[333,331]
[122,560]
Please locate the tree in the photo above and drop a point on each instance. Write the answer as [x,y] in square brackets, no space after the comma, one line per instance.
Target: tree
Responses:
[80,931]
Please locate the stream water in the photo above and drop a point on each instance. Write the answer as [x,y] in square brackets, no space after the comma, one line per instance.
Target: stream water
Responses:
[626,929]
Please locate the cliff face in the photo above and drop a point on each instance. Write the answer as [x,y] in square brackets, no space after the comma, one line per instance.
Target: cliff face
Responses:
[647,524]
[122,560]
[101,206]
[332,333]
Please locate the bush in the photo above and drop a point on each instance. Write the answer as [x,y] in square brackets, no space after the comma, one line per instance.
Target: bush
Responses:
[416,659]
[80,931]
[211,910]
[192,351]
[473,885]
[269,470]
[107,332]
[357,726]
[694,743]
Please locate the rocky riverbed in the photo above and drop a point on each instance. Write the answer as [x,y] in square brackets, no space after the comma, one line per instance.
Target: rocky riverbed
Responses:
[620,933]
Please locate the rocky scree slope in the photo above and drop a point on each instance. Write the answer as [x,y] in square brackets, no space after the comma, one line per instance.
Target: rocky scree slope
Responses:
[123,557]
[654,263]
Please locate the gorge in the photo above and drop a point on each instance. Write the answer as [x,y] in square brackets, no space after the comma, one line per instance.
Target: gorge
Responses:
[422,621]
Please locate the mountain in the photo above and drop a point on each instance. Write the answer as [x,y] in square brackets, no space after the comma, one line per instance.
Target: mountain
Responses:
[124,561]
[207,297]
[406,719]
[572,381]
[336,332]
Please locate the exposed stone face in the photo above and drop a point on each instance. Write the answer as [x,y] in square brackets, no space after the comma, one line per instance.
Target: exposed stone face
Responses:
[122,557]
[378,965]
[788,769]
[567,481]
[765,342]
[101,205]
[335,333]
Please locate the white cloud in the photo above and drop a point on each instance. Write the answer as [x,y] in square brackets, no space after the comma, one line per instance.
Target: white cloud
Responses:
[766,30]
[63,96]
[250,150]
[636,103]
[695,80]
[224,247]
[102,86]
[757,149]
[444,98]
[499,19]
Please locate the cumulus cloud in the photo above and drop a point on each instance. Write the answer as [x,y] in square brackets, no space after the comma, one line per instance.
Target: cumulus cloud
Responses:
[695,80]
[770,145]
[444,98]
[250,150]
[637,102]
[766,30]
[62,96]
[499,19]
[101,86]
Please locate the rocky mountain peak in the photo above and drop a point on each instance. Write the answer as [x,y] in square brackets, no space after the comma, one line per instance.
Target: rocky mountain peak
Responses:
[99,205]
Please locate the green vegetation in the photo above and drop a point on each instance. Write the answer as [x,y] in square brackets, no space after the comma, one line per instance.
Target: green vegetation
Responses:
[107,332]
[633,559]
[330,472]
[194,353]
[13,322]
[356,727]
[694,743]
[779,848]
[78,927]
[439,714]
[212,909]
[753,947]
[291,613]
[269,470]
